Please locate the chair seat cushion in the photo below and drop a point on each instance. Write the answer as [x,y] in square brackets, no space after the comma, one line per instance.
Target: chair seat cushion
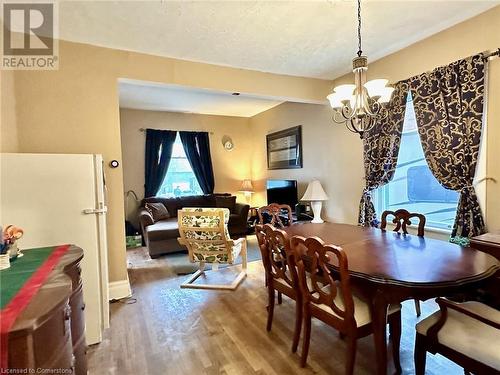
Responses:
[217,253]
[163,229]
[361,308]
[467,335]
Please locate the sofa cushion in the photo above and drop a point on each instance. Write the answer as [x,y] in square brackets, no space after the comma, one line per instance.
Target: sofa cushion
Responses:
[145,218]
[157,210]
[226,202]
[163,229]
[175,204]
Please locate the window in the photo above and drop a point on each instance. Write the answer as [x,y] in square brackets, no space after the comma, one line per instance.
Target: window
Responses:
[413,186]
[180,179]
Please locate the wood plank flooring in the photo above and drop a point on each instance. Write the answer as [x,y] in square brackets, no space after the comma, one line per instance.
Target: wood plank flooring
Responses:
[177,331]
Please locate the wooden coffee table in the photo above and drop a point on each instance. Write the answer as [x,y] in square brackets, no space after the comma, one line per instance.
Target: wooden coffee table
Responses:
[387,267]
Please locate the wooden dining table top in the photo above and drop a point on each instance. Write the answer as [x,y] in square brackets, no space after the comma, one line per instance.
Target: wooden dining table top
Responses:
[403,260]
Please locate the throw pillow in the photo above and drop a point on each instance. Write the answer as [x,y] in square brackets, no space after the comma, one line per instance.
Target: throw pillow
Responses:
[158,211]
[228,202]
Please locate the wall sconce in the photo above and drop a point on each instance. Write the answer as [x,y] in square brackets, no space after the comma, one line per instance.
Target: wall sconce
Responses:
[227,142]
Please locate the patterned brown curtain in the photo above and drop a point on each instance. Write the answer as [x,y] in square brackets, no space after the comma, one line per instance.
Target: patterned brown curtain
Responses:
[449,108]
[381,148]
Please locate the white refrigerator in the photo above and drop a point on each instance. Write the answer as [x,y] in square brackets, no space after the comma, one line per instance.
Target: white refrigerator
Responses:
[58,199]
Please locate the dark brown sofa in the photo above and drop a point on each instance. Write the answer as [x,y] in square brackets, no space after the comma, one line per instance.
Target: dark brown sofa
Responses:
[161,236]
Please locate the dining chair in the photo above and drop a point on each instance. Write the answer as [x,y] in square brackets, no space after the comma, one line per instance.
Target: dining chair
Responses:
[402,219]
[327,296]
[280,215]
[467,333]
[204,232]
[281,274]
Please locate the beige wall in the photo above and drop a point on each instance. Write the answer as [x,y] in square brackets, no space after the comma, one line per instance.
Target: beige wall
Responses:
[8,130]
[330,154]
[333,154]
[230,167]
[75,109]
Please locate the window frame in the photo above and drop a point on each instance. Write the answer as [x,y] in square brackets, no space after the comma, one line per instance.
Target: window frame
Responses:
[172,158]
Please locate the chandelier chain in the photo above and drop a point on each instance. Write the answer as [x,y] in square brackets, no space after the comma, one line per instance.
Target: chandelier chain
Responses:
[360,52]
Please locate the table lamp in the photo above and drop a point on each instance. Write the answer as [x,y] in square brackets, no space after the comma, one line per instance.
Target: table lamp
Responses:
[247,188]
[316,195]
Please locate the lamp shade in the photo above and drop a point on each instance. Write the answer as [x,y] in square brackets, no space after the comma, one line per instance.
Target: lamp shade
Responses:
[246,186]
[314,192]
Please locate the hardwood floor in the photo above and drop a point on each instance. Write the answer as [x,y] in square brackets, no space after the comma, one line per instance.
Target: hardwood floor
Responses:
[184,331]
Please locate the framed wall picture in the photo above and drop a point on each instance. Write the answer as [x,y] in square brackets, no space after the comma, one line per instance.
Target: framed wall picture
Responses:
[284,149]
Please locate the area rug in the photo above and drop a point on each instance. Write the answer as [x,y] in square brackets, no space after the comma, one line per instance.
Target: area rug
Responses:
[179,262]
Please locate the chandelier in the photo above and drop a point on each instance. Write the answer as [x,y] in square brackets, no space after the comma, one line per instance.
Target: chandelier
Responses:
[361,104]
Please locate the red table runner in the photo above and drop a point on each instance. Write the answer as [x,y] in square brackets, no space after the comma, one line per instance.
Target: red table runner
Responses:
[18,303]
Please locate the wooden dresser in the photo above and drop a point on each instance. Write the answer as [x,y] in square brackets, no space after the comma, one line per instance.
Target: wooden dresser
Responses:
[50,332]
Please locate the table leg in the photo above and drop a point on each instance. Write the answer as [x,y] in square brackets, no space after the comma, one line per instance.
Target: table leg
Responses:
[379,321]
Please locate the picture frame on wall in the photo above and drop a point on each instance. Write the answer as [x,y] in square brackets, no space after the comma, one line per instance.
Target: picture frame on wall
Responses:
[284,149]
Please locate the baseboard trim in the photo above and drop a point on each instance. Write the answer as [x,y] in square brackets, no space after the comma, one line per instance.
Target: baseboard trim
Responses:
[119,289]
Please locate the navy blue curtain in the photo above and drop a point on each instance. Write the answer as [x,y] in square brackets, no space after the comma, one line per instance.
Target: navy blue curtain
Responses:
[159,145]
[197,148]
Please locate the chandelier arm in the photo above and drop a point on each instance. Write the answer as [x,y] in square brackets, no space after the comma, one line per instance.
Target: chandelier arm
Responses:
[336,119]
[348,113]
[367,106]
[350,126]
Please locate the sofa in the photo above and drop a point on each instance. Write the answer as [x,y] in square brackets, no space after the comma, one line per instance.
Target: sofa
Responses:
[161,236]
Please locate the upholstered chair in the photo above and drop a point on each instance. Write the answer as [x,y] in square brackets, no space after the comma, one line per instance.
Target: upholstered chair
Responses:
[281,274]
[401,220]
[280,215]
[326,294]
[467,333]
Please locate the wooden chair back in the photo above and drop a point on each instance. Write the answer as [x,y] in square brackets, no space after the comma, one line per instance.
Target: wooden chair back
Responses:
[262,241]
[204,232]
[402,219]
[275,211]
[279,256]
[318,283]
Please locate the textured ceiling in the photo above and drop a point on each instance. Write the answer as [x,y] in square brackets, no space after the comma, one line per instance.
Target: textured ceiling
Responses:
[158,97]
[303,38]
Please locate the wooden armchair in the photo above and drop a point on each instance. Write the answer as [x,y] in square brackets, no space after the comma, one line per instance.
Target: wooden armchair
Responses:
[277,213]
[327,296]
[402,219]
[204,232]
[281,274]
[467,333]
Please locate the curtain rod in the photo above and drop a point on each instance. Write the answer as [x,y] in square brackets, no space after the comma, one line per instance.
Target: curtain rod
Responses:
[492,54]
[144,130]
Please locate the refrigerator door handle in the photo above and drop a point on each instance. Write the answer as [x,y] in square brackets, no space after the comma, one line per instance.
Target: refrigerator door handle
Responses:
[93,211]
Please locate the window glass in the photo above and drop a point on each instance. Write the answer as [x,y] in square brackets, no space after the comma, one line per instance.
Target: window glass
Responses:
[180,179]
[414,187]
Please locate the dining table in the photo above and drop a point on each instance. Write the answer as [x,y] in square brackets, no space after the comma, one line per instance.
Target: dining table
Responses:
[387,268]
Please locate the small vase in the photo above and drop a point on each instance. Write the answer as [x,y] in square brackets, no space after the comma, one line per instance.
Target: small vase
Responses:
[13,250]
[4,261]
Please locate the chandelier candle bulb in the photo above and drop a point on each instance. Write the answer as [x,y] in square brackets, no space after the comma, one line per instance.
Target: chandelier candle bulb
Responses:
[345,91]
[386,95]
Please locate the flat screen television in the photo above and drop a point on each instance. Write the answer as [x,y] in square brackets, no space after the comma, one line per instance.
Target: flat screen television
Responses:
[282,192]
